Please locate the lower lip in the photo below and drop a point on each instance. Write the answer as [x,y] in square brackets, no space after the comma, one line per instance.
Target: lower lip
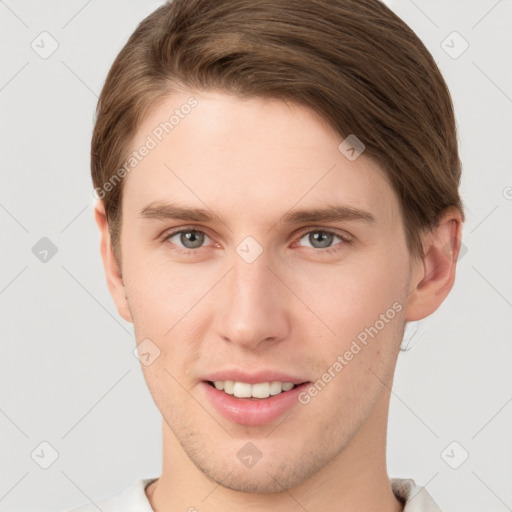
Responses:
[252,412]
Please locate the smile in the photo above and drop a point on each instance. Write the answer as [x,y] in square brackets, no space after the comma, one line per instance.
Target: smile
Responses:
[258,390]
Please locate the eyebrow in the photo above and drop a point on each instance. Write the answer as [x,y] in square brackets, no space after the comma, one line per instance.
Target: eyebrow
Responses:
[330,213]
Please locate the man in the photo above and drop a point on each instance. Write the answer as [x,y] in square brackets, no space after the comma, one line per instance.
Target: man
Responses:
[277,189]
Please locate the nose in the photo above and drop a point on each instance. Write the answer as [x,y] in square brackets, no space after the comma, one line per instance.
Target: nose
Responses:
[253,304]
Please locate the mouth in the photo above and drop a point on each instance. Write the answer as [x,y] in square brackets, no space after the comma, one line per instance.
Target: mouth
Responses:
[256,391]
[259,402]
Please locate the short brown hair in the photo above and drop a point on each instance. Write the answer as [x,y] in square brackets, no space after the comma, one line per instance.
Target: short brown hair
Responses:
[354,62]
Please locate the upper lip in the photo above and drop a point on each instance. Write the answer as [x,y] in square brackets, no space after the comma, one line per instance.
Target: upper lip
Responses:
[254,377]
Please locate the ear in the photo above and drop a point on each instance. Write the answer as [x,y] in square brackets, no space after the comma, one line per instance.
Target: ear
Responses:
[112,270]
[433,275]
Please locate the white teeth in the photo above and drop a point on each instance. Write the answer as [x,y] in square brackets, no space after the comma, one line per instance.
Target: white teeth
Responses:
[228,386]
[242,390]
[259,390]
[276,387]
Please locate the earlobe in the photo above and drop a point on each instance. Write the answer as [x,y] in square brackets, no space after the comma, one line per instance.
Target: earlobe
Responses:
[113,273]
[433,276]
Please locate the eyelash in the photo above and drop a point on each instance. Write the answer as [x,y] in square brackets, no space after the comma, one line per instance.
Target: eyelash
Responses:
[329,250]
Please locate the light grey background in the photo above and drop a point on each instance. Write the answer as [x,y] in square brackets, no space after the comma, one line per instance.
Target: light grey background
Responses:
[69,377]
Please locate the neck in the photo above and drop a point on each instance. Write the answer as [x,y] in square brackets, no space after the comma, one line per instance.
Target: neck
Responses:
[356,479]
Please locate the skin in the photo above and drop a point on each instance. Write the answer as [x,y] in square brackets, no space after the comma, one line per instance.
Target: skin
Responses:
[294,309]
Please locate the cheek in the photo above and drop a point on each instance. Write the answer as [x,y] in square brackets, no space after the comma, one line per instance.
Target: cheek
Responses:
[352,296]
[160,293]
[165,301]
[364,307]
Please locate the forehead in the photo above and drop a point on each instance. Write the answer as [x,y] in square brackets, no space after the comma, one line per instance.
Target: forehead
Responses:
[252,155]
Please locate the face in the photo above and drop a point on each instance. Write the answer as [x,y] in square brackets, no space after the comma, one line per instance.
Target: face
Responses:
[253,292]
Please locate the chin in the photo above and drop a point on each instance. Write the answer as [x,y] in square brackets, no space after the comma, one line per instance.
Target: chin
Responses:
[247,482]
[266,477]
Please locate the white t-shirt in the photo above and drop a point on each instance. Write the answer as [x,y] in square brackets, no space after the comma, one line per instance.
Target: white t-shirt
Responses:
[133,498]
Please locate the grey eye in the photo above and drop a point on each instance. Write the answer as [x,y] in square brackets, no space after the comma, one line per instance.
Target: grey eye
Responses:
[320,239]
[189,239]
